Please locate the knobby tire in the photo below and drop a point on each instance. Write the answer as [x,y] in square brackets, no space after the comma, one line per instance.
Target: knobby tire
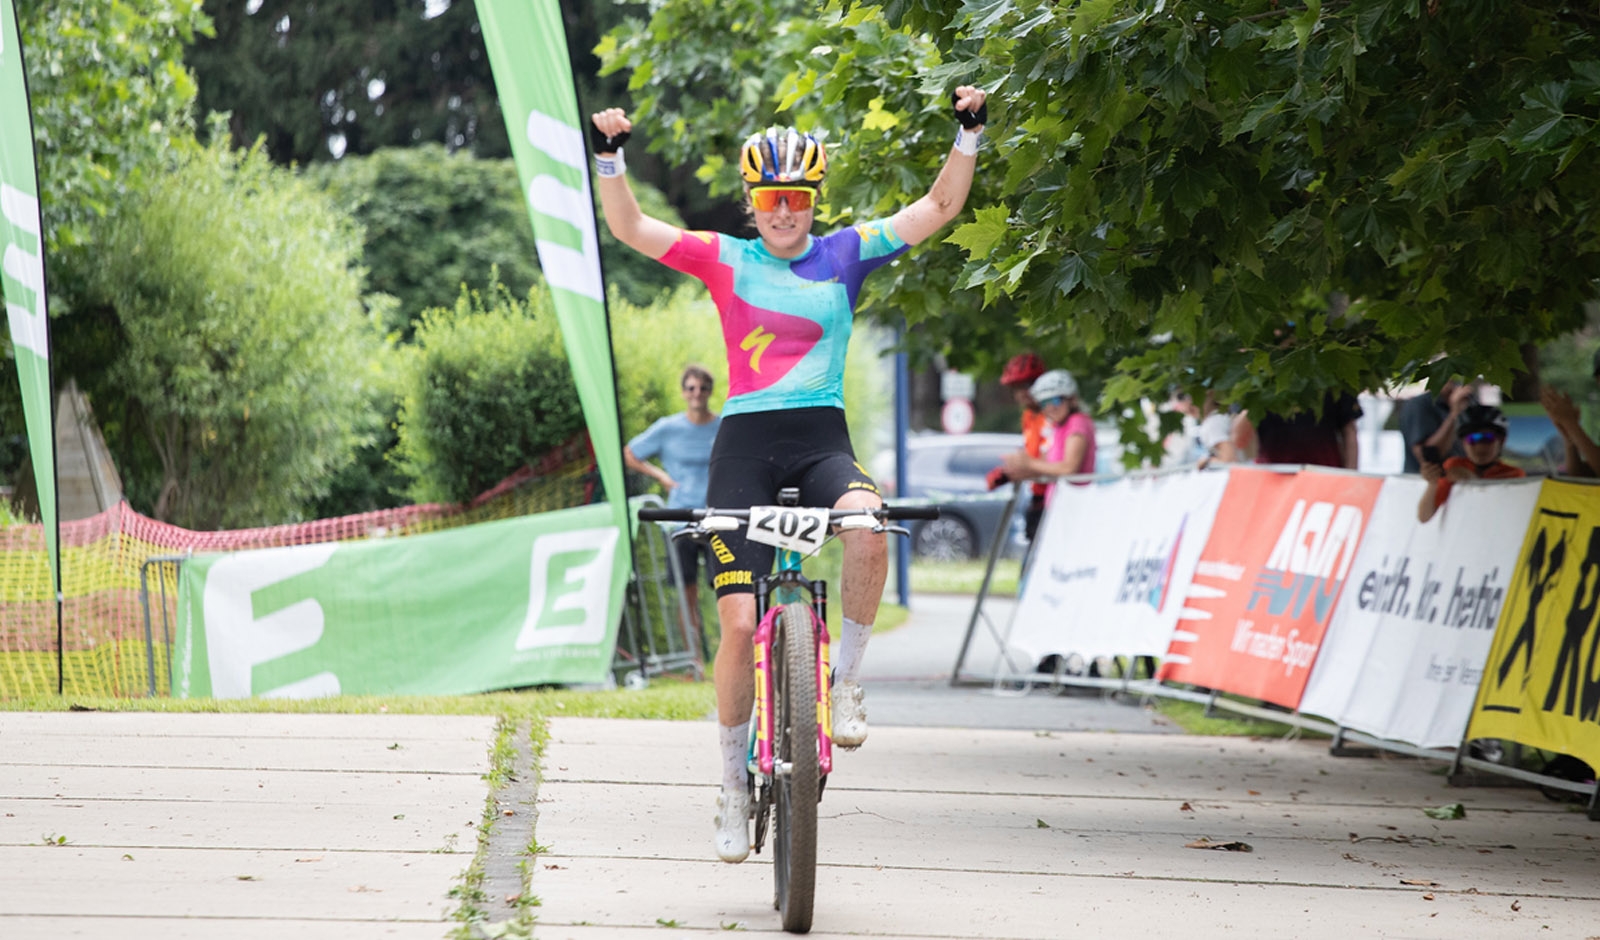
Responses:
[795,850]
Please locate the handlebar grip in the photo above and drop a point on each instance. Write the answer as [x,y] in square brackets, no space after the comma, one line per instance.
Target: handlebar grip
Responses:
[912,512]
[668,515]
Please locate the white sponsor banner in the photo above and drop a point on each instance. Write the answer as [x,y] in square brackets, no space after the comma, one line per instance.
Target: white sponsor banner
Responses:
[1408,641]
[1113,564]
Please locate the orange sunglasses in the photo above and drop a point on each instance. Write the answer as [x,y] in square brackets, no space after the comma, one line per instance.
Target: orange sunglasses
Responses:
[766,198]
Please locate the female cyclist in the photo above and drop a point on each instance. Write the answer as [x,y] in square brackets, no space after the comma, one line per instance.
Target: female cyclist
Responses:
[786,300]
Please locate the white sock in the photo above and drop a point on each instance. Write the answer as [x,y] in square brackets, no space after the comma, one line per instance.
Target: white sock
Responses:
[852,646]
[735,743]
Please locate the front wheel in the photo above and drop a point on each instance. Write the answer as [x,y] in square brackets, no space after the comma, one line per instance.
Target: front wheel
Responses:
[945,539]
[794,858]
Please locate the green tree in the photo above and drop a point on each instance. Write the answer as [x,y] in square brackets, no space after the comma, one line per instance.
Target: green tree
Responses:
[435,220]
[249,366]
[321,79]
[486,388]
[1183,192]
[110,98]
[110,103]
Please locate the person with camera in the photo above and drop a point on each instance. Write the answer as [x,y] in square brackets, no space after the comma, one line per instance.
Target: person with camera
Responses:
[1481,429]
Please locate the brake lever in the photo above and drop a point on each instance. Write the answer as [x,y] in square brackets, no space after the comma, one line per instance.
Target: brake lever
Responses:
[894,530]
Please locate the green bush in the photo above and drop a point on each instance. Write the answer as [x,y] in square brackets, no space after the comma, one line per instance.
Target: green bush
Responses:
[485,389]
[243,354]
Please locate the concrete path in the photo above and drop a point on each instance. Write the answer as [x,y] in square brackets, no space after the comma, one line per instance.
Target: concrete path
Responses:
[969,814]
[945,833]
[131,826]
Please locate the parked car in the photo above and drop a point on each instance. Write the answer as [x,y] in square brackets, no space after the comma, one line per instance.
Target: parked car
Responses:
[952,470]
[1532,441]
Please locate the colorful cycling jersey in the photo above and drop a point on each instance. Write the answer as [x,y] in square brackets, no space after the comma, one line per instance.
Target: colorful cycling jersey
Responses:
[785,322]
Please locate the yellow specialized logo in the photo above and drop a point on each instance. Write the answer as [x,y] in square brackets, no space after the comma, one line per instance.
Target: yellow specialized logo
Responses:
[721,550]
[758,339]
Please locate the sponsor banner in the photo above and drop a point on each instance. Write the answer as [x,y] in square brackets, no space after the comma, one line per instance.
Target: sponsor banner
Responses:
[521,602]
[1112,566]
[22,274]
[1267,583]
[1408,641]
[1541,682]
[527,45]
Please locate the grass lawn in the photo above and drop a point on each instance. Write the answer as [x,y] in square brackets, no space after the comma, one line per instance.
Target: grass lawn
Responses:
[965,577]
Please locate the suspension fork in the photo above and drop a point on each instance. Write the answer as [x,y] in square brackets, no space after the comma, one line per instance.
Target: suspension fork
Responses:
[765,629]
[762,756]
[819,630]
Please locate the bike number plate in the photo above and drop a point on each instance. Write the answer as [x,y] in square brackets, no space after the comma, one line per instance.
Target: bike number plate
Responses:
[798,530]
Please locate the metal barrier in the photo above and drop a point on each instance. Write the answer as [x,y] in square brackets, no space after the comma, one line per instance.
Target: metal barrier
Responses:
[659,633]
[167,572]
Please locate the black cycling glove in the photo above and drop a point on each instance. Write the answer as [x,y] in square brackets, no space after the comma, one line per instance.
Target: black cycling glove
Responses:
[970,119]
[600,143]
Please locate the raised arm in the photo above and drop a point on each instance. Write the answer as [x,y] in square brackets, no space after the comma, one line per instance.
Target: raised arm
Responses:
[1581,450]
[648,236]
[945,200]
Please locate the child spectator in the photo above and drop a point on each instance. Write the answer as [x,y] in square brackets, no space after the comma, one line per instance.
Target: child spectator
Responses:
[1482,432]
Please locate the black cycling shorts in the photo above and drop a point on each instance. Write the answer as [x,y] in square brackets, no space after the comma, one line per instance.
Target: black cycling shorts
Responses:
[759,453]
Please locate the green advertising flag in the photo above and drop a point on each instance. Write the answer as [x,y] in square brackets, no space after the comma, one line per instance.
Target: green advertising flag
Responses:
[22,239]
[500,605]
[533,78]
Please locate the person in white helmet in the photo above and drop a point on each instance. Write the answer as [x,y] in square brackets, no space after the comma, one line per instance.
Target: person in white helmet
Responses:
[1069,449]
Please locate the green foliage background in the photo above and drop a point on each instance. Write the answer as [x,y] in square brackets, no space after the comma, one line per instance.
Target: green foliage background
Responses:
[484,389]
[1267,199]
[249,364]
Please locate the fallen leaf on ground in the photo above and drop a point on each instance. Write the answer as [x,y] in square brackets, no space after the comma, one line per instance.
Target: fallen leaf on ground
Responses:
[1186,808]
[1419,882]
[310,858]
[1516,905]
[1428,896]
[1253,792]
[1229,845]
[1447,811]
[1040,824]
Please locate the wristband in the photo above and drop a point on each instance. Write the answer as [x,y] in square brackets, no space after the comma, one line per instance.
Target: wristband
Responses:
[967,141]
[607,167]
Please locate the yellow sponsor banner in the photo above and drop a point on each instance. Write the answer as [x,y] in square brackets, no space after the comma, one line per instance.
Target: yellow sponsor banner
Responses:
[1541,684]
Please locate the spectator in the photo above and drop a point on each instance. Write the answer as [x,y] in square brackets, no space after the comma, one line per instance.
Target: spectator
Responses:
[683,444]
[1582,454]
[1019,375]
[1430,421]
[1215,434]
[1070,446]
[1482,431]
[1327,440]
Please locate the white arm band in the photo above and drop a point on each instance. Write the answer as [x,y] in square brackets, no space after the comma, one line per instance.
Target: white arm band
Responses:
[967,141]
[607,167]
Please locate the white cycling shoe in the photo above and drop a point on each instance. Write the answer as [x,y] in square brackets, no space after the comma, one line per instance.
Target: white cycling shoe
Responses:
[733,824]
[849,714]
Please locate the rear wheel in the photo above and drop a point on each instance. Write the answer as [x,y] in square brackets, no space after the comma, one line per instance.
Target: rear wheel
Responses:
[794,857]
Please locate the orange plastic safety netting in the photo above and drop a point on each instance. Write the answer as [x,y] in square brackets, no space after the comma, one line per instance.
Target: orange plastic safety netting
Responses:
[119,577]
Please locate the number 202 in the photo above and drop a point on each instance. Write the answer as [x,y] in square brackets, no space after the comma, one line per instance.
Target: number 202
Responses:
[788,523]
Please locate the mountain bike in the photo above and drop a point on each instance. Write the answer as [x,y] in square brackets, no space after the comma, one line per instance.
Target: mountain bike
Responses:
[791,725]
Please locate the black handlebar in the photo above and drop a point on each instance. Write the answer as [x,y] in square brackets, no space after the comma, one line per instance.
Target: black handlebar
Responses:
[887,513]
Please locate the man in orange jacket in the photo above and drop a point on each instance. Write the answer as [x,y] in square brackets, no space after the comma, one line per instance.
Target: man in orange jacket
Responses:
[1018,376]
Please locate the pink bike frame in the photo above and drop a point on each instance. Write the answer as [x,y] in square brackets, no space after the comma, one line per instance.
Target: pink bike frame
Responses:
[766,716]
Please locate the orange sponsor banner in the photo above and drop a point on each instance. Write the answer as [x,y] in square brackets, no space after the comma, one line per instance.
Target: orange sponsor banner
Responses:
[1268,580]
